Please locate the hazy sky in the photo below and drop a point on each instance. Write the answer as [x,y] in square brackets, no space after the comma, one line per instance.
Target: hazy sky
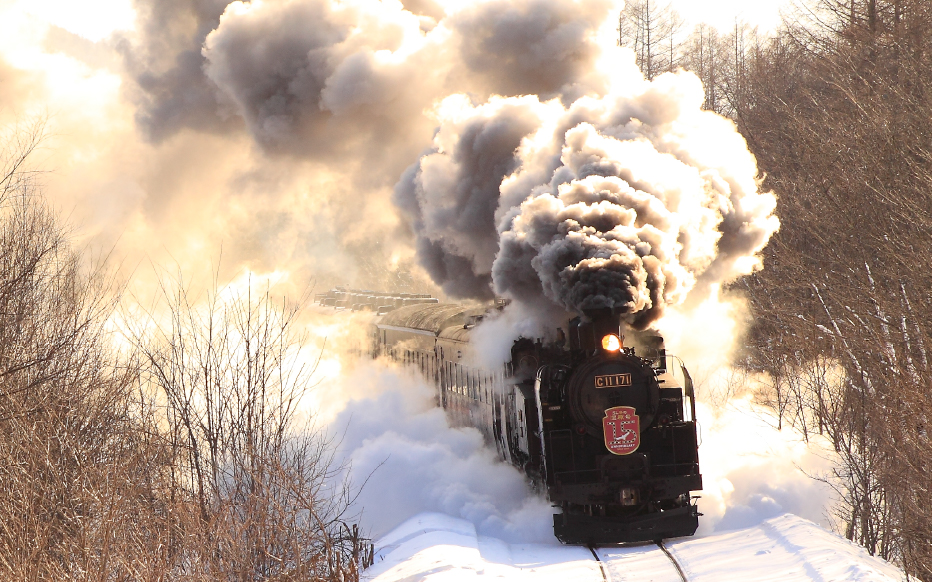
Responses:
[106,16]
[722,13]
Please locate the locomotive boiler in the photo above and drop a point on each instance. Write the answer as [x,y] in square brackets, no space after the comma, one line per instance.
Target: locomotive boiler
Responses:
[605,430]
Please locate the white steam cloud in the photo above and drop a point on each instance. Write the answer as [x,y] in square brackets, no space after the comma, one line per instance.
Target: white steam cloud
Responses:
[408,460]
[630,199]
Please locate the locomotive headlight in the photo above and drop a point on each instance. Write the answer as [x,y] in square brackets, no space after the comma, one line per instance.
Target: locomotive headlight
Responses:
[611,343]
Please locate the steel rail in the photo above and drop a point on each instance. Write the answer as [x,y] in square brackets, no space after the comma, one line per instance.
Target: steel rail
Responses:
[599,561]
[676,564]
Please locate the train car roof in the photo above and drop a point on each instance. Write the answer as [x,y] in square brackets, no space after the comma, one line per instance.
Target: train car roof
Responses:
[456,333]
[433,317]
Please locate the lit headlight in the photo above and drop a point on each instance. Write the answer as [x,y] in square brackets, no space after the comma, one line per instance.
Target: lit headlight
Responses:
[611,343]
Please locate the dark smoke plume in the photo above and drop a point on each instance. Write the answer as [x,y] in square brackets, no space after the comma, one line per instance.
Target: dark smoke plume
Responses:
[628,200]
[450,196]
[172,93]
[556,175]
[331,80]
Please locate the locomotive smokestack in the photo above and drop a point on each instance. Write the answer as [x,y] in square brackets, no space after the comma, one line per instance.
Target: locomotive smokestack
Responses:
[604,321]
[586,332]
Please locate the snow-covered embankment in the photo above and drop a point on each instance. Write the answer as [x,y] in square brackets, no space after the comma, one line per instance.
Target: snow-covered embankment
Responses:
[439,548]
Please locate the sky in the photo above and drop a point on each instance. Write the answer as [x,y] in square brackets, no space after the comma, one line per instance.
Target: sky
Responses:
[111,15]
[722,13]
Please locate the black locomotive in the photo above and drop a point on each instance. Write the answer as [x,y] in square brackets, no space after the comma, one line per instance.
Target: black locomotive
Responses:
[608,432]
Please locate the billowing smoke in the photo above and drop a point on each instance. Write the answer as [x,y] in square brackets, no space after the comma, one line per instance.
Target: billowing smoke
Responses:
[338,80]
[320,78]
[523,121]
[324,103]
[450,198]
[165,61]
[628,200]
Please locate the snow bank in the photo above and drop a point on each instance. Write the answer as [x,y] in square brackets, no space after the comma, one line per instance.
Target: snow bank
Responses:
[439,548]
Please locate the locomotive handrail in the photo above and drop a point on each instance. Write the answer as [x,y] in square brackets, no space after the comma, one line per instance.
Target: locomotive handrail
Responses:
[540,424]
[688,388]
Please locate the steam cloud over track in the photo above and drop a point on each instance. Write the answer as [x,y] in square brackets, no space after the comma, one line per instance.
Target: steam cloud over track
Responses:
[628,200]
[540,163]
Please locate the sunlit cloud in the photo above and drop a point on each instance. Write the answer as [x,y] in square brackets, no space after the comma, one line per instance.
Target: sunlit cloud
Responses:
[94,21]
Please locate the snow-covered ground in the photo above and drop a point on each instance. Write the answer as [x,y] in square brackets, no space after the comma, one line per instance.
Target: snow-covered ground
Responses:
[438,548]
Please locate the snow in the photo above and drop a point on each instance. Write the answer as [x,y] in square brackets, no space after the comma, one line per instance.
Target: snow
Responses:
[439,548]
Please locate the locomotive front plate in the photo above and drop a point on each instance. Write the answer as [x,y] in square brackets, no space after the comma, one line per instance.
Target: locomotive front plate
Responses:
[612,380]
[607,382]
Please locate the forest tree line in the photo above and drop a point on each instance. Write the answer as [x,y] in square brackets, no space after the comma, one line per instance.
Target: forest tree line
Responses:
[836,106]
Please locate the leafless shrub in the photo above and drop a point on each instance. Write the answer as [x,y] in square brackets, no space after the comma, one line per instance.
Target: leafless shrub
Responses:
[262,498]
[175,459]
[73,451]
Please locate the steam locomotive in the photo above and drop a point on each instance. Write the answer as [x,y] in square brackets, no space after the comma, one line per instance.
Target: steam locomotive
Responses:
[607,431]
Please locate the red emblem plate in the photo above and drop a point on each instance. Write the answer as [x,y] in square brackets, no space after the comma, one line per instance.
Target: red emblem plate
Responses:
[622,429]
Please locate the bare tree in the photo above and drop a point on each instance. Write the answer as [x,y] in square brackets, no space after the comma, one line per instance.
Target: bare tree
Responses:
[653,30]
[265,498]
[177,459]
[74,451]
[837,113]
[705,56]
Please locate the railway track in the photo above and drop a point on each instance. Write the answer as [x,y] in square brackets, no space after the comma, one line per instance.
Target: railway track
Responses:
[595,555]
[606,568]
[679,569]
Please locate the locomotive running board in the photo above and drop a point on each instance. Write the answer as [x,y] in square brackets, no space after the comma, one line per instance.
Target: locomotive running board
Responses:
[587,530]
